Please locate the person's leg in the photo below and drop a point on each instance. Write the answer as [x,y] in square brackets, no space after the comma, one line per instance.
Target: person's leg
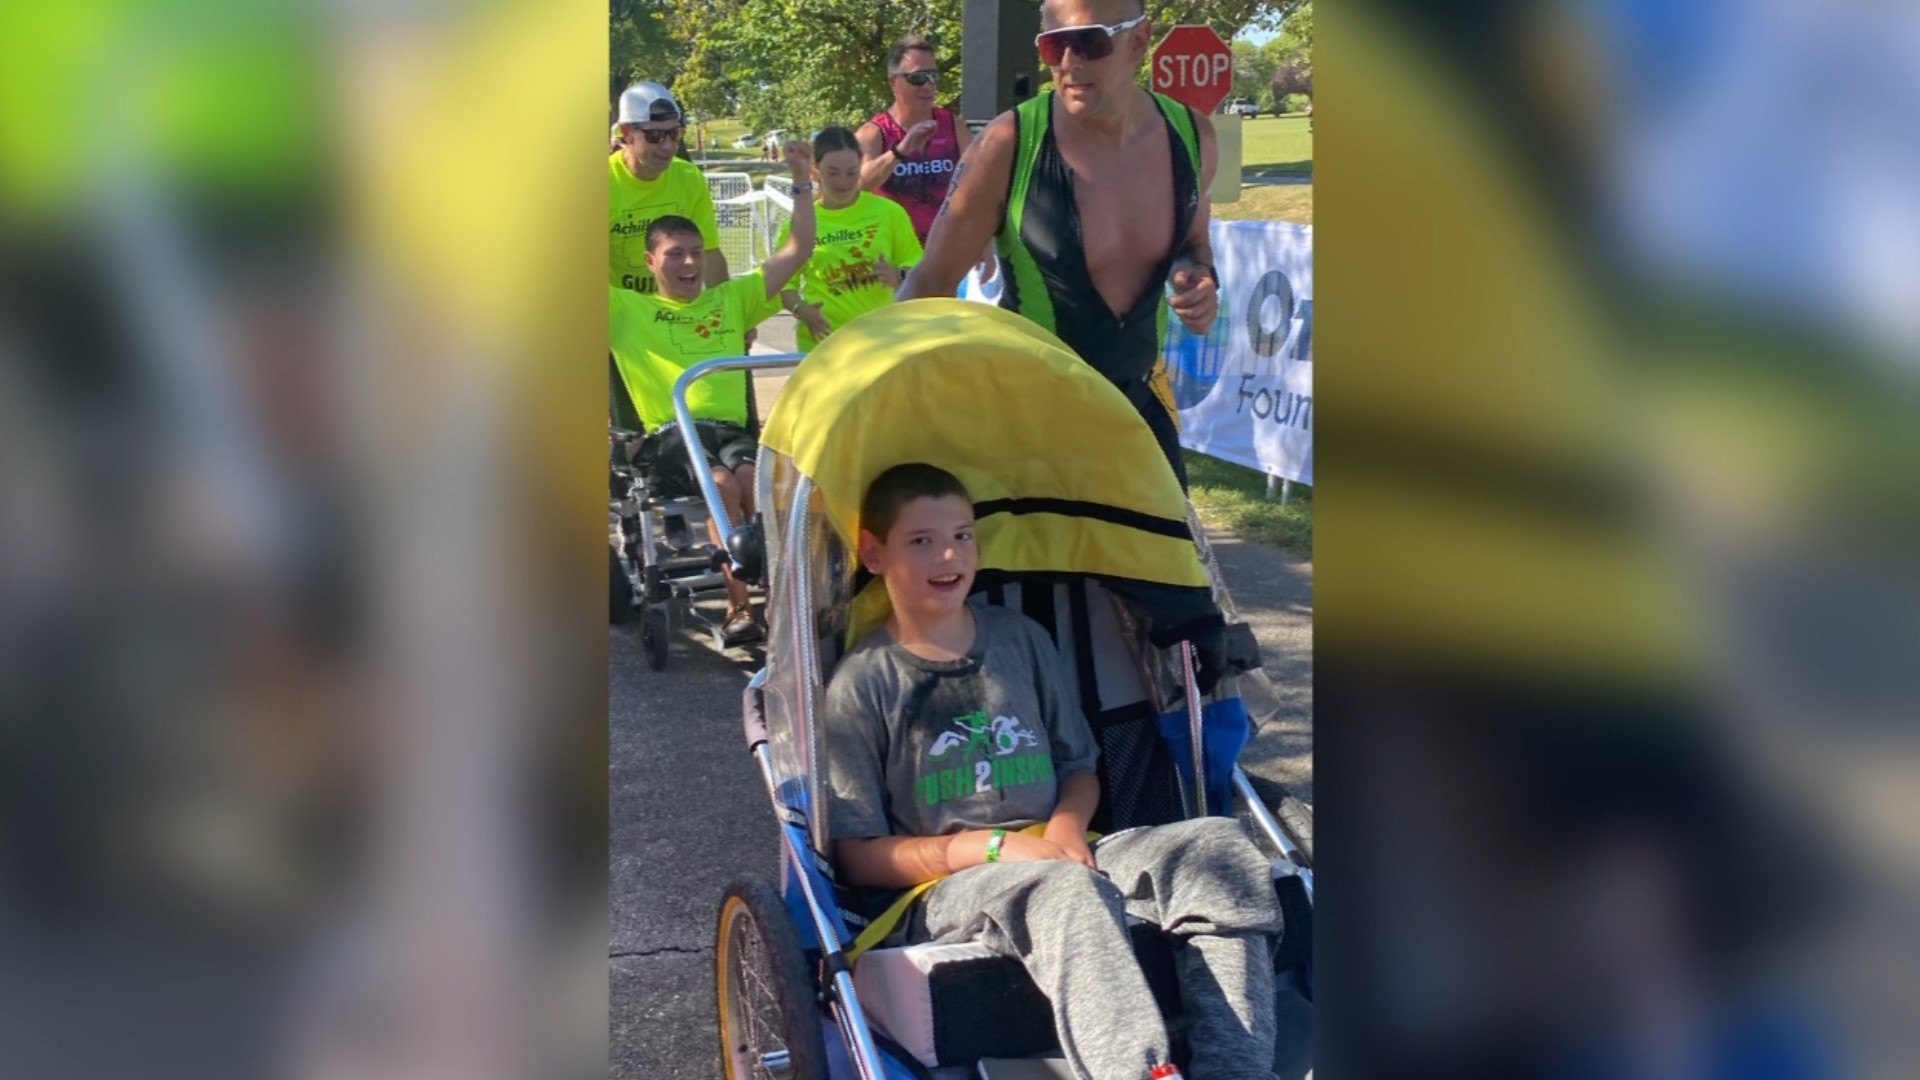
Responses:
[1206,884]
[735,450]
[744,476]
[1067,925]
[730,499]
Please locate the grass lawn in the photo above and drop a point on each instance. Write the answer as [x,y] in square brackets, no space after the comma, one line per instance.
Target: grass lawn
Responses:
[1276,145]
[1269,202]
[1232,497]
[720,136]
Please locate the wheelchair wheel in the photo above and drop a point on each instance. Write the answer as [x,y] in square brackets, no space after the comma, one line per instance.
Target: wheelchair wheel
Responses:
[653,635]
[769,1019]
[619,590]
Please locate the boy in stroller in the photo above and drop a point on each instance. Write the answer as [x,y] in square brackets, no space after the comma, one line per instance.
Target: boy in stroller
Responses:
[959,762]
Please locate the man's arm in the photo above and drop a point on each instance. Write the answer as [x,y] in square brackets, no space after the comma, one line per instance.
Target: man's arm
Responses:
[964,135]
[1196,298]
[780,268]
[976,203]
[876,164]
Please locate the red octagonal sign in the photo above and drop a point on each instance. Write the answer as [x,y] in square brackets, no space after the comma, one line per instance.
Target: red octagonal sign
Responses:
[1193,66]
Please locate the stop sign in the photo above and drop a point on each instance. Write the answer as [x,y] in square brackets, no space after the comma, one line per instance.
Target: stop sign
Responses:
[1194,67]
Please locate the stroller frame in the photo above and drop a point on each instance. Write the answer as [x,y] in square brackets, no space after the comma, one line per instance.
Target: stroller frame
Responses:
[799,803]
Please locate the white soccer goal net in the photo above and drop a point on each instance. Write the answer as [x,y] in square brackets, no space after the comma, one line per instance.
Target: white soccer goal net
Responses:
[749,220]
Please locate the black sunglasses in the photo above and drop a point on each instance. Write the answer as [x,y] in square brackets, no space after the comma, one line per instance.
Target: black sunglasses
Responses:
[661,136]
[920,78]
[1091,42]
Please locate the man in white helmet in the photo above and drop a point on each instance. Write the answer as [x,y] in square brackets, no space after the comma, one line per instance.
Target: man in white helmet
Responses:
[648,181]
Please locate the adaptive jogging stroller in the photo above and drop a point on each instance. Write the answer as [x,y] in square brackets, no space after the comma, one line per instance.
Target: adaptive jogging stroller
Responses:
[1083,527]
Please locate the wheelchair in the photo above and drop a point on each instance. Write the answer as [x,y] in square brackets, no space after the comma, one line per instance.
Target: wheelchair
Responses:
[661,562]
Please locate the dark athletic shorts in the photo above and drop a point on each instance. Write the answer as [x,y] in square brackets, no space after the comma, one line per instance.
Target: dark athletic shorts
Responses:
[663,457]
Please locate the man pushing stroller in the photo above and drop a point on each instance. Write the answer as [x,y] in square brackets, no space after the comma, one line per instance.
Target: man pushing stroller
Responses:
[958,757]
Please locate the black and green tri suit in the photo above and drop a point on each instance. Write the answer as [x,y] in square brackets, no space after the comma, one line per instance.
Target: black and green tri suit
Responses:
[1047,280]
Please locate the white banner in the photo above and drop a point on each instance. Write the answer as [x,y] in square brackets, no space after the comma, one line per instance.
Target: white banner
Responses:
[1245,390]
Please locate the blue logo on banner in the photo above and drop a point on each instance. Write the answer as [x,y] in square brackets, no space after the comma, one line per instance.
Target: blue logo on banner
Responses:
[1193,362]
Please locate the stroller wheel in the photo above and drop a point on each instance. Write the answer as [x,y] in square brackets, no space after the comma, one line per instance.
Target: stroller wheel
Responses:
[653,634]
[619,590]
[769,1022]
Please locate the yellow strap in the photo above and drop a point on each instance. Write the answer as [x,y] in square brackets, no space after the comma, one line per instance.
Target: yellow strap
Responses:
[884,923]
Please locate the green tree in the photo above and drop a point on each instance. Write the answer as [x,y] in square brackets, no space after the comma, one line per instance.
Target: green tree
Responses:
[706,84]
[798,64]
[1294,43]
[1227,17]
[1253,68]
[639,45]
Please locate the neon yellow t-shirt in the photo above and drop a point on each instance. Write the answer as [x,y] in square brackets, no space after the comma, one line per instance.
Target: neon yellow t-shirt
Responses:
[654,339]
[633,204]
[839,277]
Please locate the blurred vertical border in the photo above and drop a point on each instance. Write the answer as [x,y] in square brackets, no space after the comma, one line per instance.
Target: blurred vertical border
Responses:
[1618,602]
[302,410]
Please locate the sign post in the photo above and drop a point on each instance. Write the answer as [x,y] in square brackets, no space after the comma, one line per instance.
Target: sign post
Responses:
[1194,67]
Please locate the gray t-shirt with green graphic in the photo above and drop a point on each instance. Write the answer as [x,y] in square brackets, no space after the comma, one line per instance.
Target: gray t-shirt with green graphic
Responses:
[921,748]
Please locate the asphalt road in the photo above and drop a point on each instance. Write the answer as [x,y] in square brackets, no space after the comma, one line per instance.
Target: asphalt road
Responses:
[689,814]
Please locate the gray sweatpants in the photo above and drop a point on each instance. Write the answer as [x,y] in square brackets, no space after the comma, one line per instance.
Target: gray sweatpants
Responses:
[1203,881]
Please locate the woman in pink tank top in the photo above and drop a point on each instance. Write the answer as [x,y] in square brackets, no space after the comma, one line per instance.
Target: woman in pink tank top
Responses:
[911,149]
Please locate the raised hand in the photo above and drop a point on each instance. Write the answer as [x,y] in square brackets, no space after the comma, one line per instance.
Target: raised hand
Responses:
[917,136]
[799,157]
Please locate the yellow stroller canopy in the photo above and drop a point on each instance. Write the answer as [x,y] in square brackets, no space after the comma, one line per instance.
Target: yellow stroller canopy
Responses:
[1065,475]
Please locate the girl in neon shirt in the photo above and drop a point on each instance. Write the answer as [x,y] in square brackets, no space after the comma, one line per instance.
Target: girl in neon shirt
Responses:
[864,244]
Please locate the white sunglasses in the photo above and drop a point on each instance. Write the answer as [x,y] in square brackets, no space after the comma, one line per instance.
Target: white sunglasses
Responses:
[1088,41]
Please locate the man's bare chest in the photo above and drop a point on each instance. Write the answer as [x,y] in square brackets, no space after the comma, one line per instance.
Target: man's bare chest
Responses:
[1125,205]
